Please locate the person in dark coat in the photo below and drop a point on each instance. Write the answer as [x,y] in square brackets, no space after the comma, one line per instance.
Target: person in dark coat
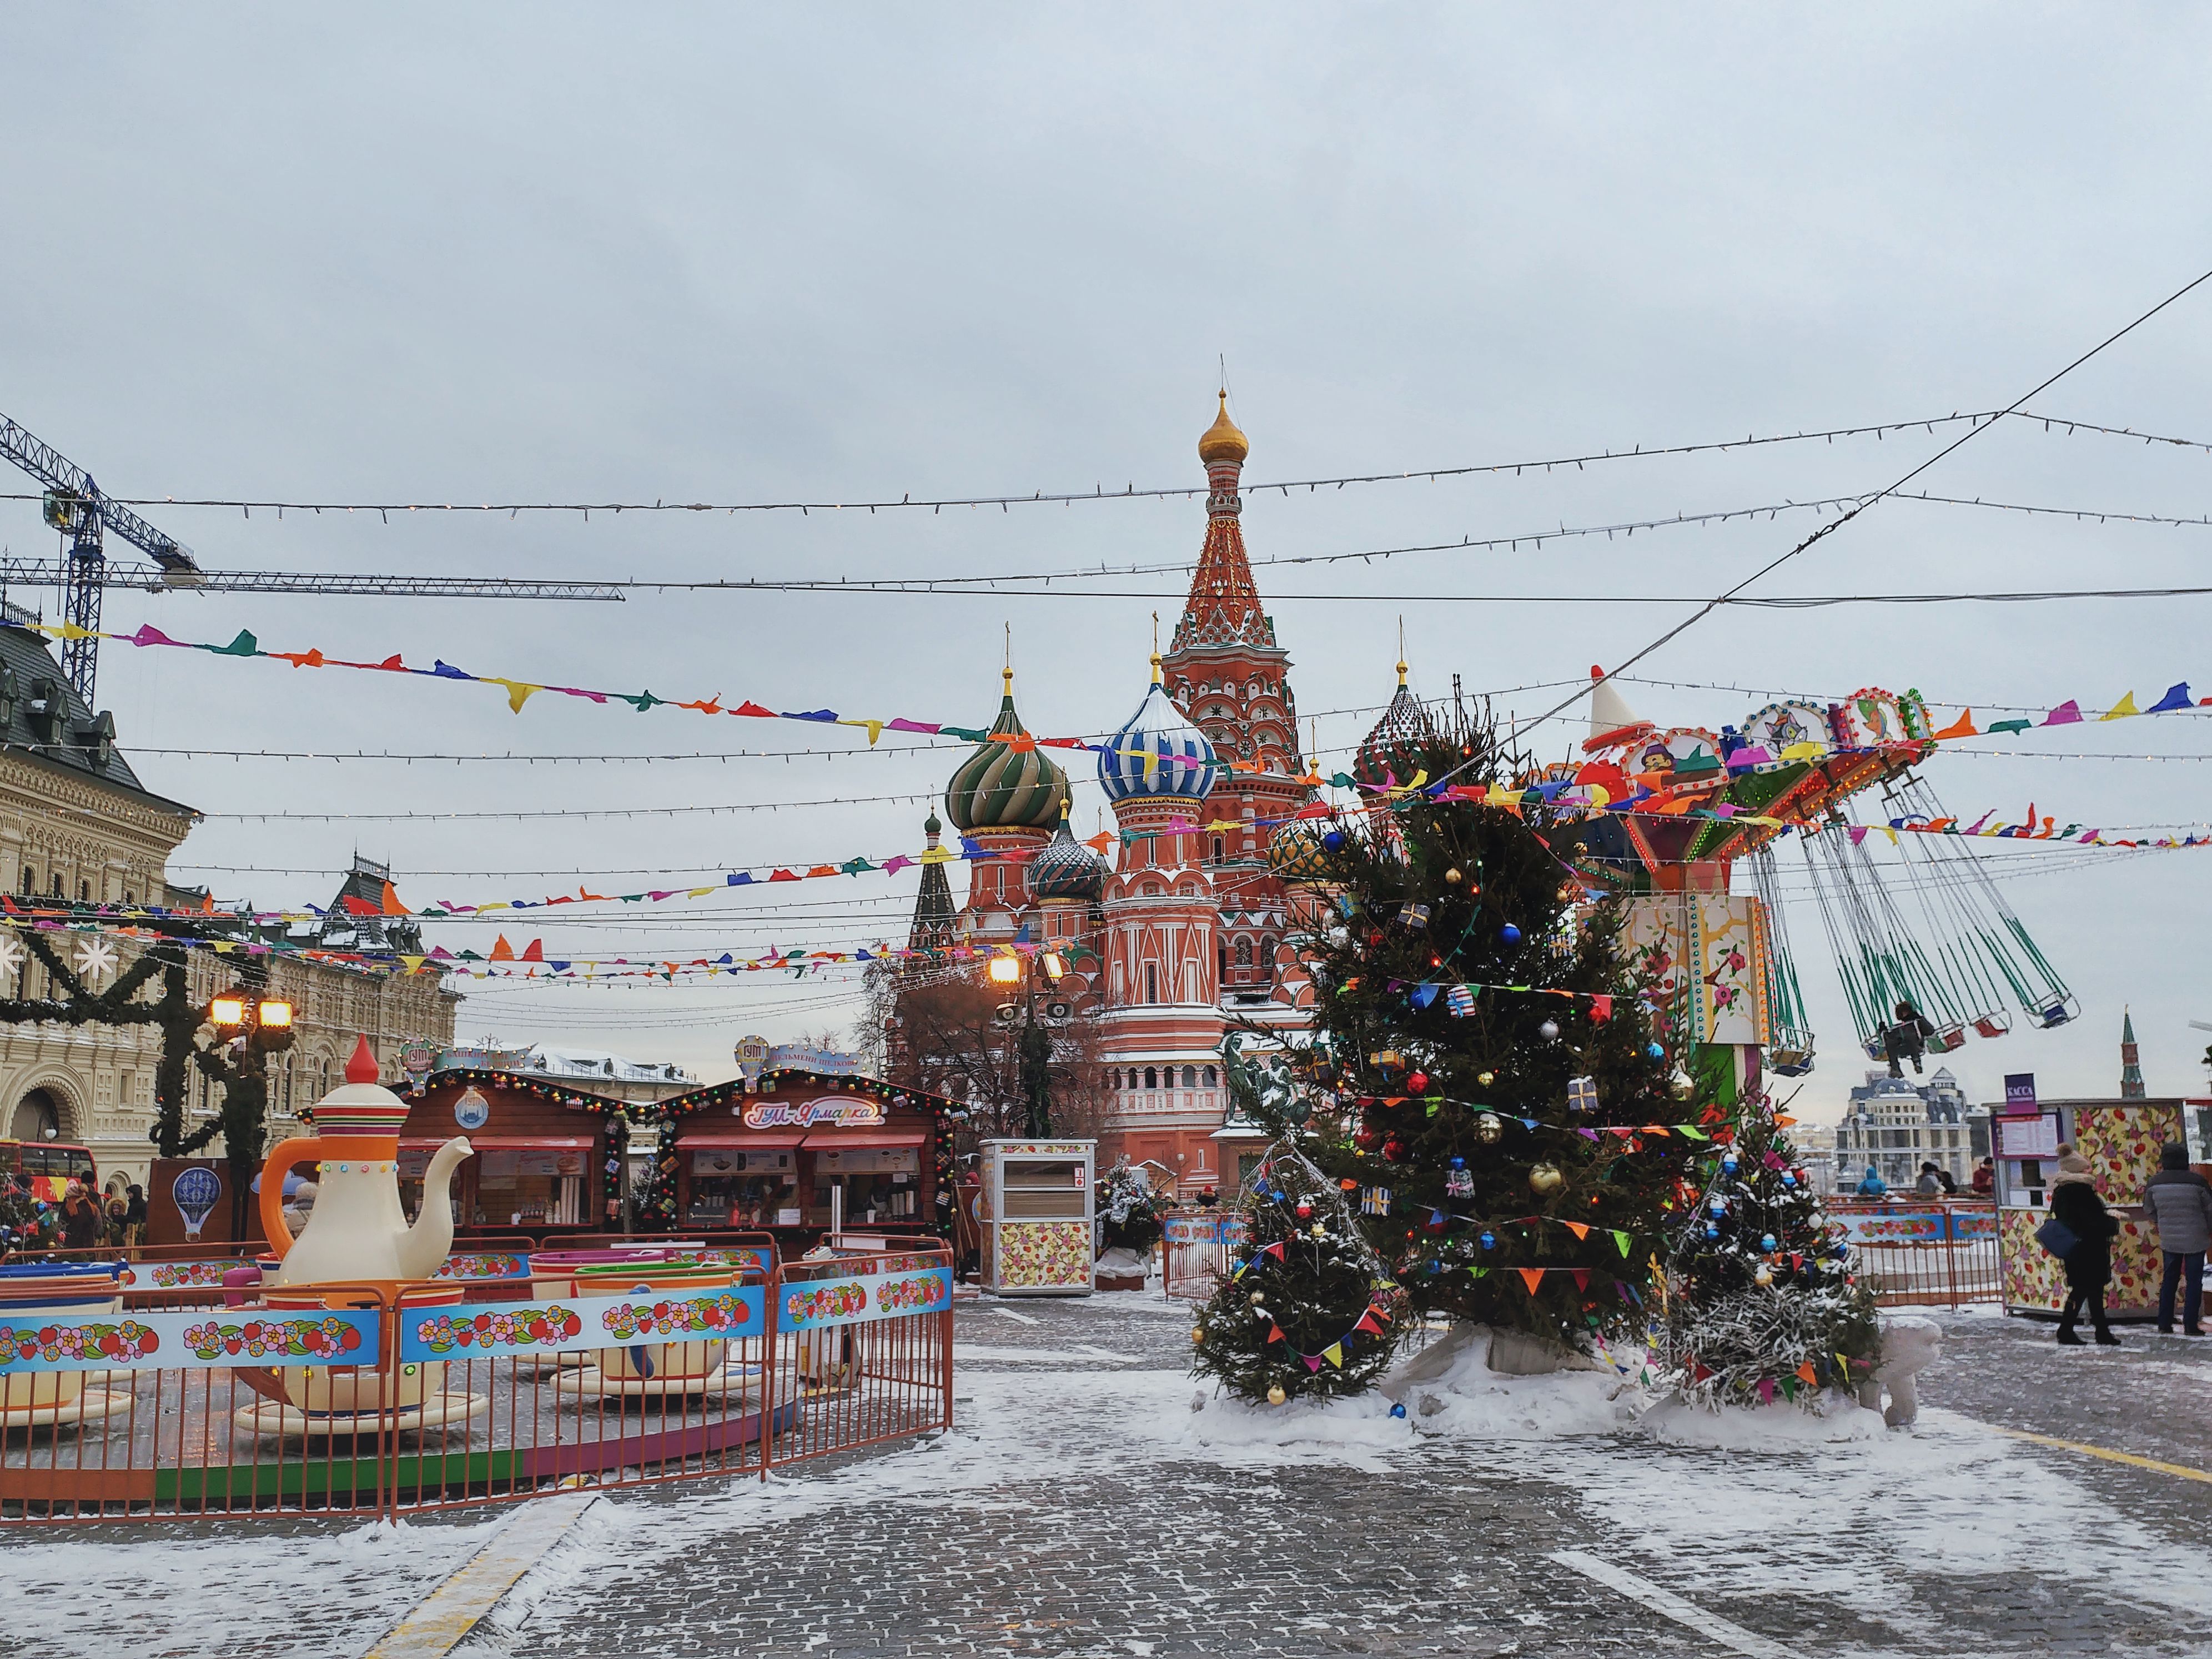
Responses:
[81,1219]
[2075,1202]
[2179,1204]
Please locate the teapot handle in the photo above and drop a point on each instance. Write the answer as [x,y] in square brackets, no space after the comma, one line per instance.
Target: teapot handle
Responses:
[278,1166]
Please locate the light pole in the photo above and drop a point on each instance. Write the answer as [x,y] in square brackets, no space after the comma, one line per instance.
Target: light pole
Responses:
[1009,969]
[248,1028]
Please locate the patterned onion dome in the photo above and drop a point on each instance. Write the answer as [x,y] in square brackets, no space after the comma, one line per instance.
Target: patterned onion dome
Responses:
[1003,786]
[1393,751]
[1295,850]
[1157,752]
[1067,869]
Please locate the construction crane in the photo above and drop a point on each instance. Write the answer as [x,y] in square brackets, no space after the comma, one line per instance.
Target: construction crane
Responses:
[74,505]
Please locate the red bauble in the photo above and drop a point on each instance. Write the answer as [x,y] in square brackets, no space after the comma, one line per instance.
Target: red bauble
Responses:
[1366,1138]
[1419,1083]
[1394,1149]
[1305,1211]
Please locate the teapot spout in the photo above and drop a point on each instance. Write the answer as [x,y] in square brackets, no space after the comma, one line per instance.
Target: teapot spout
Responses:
[422,1250]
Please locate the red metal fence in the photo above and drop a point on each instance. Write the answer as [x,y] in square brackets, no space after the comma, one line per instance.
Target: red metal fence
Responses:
[1196,1248]
[1923,1254]
[387,1399]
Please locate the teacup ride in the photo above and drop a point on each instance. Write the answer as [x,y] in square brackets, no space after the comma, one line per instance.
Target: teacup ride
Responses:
[336,1402]
[357,1251]
[553,1276]
[34,1292]
[657,1371]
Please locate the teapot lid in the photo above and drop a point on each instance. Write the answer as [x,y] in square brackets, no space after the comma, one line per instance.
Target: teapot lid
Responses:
[359,1106]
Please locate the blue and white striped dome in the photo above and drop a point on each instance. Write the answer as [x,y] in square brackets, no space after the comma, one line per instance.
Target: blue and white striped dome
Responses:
[1157,752]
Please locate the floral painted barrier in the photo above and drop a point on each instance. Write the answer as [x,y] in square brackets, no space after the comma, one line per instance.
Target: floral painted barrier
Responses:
[856,1301]
[493,1328]
[148,1340]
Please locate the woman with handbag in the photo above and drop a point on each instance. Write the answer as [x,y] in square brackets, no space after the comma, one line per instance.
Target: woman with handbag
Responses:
[2075,1206]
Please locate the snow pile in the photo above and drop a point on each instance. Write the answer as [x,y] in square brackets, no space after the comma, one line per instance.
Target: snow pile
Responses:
[1833,1417]
[1223,1428]
[1475,1384]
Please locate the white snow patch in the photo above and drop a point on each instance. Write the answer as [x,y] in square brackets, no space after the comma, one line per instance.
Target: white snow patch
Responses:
[1227,1431]
[1833,1418]
[1448,1389]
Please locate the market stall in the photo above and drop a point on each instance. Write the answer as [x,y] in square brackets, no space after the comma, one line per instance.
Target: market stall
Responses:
[805,1155]
[2122,1140]
[542,1151]
[1038,1214]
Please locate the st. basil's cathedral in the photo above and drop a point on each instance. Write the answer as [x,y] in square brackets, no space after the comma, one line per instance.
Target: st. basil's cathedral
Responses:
[1189,928]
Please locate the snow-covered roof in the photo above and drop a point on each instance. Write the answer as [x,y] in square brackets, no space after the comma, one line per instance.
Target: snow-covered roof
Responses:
[575,1063]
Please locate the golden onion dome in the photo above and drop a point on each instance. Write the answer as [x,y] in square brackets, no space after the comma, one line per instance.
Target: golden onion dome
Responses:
[1222,441]
[1296,851]
[1003,785]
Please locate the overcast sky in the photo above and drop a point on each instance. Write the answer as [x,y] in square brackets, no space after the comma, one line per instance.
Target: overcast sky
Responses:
[834,253]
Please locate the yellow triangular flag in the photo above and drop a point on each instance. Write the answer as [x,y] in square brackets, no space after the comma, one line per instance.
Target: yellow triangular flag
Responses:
[2123,708]
[1334,1354]
[414,963]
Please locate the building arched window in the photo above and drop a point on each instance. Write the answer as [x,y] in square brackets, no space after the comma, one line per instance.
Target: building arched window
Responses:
[61,887]
[1224,954]
[1243,953]
[84,892]
[30,880]
[1211,1077]
[1151,992]
[1190,1077]
[1151,1079]
[1217,849]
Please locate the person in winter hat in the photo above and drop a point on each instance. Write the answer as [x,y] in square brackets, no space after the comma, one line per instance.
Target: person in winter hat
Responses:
[2179,1204]
[2074,1203]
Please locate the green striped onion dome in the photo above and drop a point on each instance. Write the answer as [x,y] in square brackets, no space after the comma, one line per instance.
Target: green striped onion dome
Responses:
[1295,852]
[1002,787]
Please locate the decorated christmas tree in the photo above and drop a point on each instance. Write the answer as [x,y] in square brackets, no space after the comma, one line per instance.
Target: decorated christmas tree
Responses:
[1760,1296]
[1516,1134]
[1130,1210]
[1308,1312]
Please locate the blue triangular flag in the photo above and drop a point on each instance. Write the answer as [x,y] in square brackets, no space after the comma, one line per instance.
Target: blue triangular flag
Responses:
[2177,696]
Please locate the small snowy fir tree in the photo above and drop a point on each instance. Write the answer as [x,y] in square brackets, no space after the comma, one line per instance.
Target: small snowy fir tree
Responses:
[1309,1311]
[1761,1299]
[1130,1210]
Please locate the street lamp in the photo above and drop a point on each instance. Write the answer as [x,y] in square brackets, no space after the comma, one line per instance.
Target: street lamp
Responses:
[1009,969]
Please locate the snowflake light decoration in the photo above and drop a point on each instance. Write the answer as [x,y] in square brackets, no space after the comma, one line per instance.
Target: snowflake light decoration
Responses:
[95,959]
[11,955]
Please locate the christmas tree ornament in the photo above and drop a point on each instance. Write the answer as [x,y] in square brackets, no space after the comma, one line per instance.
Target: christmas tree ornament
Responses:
[1762,1275]
[1418,1082]
[1488,1240]
[1197,1335]
[1488,1127]
[1680,1085]
[1453,878]
[1459,1002]
[1276,1396]
[1397,1409]
[1393,1150]
[1712,1231]
[1334,840]
[1412,916]
[1305,1211]
[1320,1229]
[1510,934]
[1729,1164]
[1259,1297]
[1655,1052]
[1457,1182]
[1486,1079]
[1718,1204]
[1789,1181]
[1767,1243]
[1582,1094]
[1297,1112]
[1549,1030]
[1545,1178]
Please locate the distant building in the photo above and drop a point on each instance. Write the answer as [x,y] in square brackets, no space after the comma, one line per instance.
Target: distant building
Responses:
[2131,1077]
[1897,1125]
[648,1082]
[1816,1156]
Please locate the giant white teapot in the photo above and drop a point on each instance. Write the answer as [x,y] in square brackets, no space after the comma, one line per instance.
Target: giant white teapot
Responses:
[356,1229]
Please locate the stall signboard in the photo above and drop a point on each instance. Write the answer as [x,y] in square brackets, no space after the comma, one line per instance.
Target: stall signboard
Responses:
[2020,1096]
[858,1298]
[1204,1229]
[844,1112]
[490,1329]
[2028,1137]
[1916,1223]
[188,1341]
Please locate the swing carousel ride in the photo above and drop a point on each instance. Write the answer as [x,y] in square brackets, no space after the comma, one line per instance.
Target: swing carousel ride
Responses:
[1927,948]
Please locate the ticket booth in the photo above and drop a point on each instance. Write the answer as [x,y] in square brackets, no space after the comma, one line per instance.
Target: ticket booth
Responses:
[2122,1140]
[1037,1212]
[541,1152]
[806,1155]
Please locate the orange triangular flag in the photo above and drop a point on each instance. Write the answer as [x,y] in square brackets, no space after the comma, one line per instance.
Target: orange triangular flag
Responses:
[1579,1229]
[1531,1277]
[393,906]
[502,951]
[1275,1332]
[1961,727]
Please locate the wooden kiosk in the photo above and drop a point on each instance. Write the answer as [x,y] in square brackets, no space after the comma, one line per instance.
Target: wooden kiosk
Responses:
[542,1151]
[2122,1140]
[1037,1216]
[808,1155]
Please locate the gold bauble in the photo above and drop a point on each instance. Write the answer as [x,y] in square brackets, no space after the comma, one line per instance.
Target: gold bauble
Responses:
[1546,1178]
[1762,1275]
[1488,1127]
[1454,877]
[1276,1396]
[1259,1297]
[1197,1334]
[1681,1084]
[1319,1229]
[1486,1079]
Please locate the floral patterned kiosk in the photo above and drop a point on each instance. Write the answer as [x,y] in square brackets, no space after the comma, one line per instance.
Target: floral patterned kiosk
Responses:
[1036,1216]
[2121,1139]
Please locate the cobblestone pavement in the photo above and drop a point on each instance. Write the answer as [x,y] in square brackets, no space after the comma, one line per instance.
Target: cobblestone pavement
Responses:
[1061,1519]
[1075,1510]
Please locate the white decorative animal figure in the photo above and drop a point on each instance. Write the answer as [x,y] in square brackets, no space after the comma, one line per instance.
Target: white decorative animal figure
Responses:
[1910,1344]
